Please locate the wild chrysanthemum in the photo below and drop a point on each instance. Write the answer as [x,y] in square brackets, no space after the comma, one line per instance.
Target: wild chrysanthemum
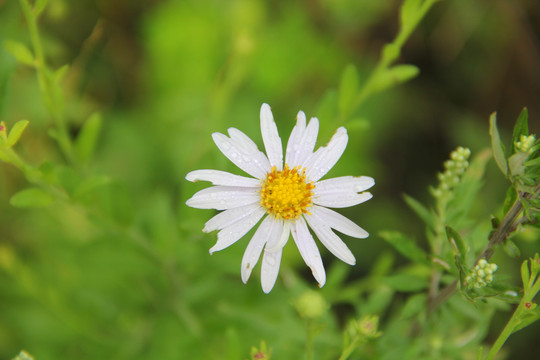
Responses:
[292,195]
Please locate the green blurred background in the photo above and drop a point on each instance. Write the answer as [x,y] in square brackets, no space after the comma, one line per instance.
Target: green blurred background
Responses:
[126,274]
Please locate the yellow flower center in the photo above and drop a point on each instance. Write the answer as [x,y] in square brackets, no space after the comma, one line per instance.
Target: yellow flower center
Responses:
[286,194]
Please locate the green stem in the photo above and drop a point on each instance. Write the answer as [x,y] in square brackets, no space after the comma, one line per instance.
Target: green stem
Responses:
[348,350]
[52,98]
[516,318]
[386,60]
[309,339]
[507,226]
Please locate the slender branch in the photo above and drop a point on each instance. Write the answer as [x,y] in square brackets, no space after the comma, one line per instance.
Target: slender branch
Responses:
[507,226]
[51,96]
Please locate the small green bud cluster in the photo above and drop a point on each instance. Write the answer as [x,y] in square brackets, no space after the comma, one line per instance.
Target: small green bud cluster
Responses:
[525,143]
[261,353]
[3,132]
[365,328]
[454,168]
[481,275]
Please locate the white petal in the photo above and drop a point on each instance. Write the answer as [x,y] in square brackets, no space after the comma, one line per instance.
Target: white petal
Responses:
[309,140]
[268,229]
[224,197]
[322,160]
[302,140]
[271,139]
[330,240]
[270,269]
[243,153]
[272,256]
[341,200]
[229,217]
[352,184]
[232,233]
[295,139]
[308,249]
[218,177]
[297,132]
[342,191]
[338,222]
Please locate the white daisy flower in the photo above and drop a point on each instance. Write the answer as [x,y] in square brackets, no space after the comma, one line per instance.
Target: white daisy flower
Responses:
[291,195]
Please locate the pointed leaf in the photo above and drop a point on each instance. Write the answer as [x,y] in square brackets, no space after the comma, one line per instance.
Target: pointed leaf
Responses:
[511,248]
[31,198]
[414,305]
[406,247]
[406,282]
[19,52]
[90,184]
[521,128]
[60,73]
[39,6]
[87,138]
[394,76]
[464,194]
[358,124]
[511,196]
[525,275]
[423,213]
[457,241]
[496,145]
[530,317]
[16,132]
[348,89]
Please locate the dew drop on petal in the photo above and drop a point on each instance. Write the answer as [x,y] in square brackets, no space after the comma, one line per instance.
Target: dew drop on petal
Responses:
[271,261]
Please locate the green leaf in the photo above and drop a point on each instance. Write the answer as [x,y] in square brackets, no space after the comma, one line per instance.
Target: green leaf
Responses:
[358,124]
[414,305]
[516,163]
[423,213]
[348,88]
[19,52]
[406,282]
[91,184]
[464,194]
[457,241]
[521,128]
[511,196]
[16,132]
[60,73]
[39,6]
[378,300]
[511,248]
[406,246]
[528,318]
[525,275]
[87,138]
[496,145]
[31,198]
[532,162]
[394,76]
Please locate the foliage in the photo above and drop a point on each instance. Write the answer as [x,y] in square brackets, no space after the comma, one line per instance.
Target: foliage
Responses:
[100,258]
